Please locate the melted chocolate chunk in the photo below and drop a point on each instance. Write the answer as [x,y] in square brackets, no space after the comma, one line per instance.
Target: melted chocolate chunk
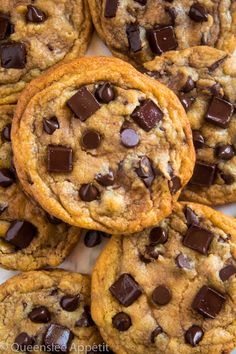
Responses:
[126,290]
[13,55]
[50,125]
[162,39]
[194,335]
[225,152]
[90,139]
[3,207]
[133,34]
[83,104]
[198,139]
[152,252]
[60,159]
[70,303]
[129,138]
[186,101]
[88,192]
[227,272]
[111,8]
[228,179]
[35,15]
[158,330]
[161,295]
[147,115]
[217,63]
[6,133]
[105,180]
[172,13]
[189,85]
[40,315]
[174,185]
[182,261]
[20,233]
[7,177]
[53,220]
[219,112]
[203,174]
[198,13]
[158,236]
[208,302]
[198,239]
[105,93]
[85,319]
[190,216]
[92,238]
[23,342]
[121,321]
[58,339]
[4,25]
[141,2]
[145,171]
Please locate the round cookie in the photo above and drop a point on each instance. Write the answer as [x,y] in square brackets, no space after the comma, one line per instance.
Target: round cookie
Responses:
[101,146]
[35,35]
[204,78]
[170,289]
[47,309]
[29,237]
[138,30]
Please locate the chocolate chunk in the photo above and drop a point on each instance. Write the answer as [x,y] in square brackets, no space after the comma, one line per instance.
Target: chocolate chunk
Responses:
[225,152]
[147,115]
[129,138]
[133,34]
[194,335]
[83,104]
[23,342]
[60,159]
[90,139]
[7,177]
[35,15]
[198,139]
[85,319]
[208,302]
[6,133]
[219,112]
[50,125]
[228,179]
[190,216]
[182,261]
[105,93]
[88,192]
[227,272]
[189,85]
[141,2]
[121,321]
[158,330]
[4,25]
[111,8]
[161,295]
[40,315]
[70,303]
[174,185]
[145,171]
[53,220]
[162,39]
[186,101]
[198,239]
[158,236]
[217,63]
[105,180]
[92,238]
[13,55]
[126,290]
[20,233]
[203,174]
[198,13]
[58,339]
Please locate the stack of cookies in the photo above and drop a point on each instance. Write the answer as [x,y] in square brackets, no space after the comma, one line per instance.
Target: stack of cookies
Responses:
[125,151]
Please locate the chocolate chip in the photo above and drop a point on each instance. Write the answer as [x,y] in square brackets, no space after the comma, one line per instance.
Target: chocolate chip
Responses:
[53,220]
[126,290]
[60,159]
[121,321]
[227,272]
[40,315]
[182,261]
[141,2]
[158,330]
[189,85]
[105,180]
[219,112]
[7,178]
[50,125]
[105,93]
[88,192]
[186,101]
[4,25]
[85,319]
[83,104]
[161,295]
[90,139]
[162,39]
[92,238]
[172,13]
[158,236]
[194,335]
[152,252]
[35,15]
[133,34]
[228,179]
[208,302]
[70,303]
[225,152]
[147,115]
[203,174]
[23,342]
[174,185]
[198,13]
[111,8]
[217,63]
[198,139]
[190,216]
[6,133]
[145,171]
[58,339]
[13,55]
[198,239]
[20,233]
[129,138]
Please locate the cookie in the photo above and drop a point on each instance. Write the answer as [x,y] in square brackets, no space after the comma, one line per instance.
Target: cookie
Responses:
[35,35]
[101,146]
[138,30]
[29,237]
[204,78]
[47,310]
[170,289]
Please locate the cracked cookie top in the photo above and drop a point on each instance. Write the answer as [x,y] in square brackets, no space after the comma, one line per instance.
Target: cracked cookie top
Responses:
[138,30]
[101,146]
[170,289]
[204,78]
[35,35]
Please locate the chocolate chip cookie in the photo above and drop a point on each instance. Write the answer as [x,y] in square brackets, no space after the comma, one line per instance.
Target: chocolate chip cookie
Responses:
[204,78]
[34,35]
[29,237]
[101,146]
[47,311]
[171,288]
[138,30]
